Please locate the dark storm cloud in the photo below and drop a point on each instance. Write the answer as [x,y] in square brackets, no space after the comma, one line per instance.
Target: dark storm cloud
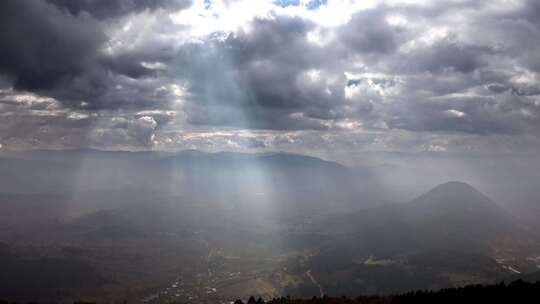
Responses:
[128,65]
[41,46]
[259,76]
[47,50]
[368,32]
[531,11]
[271,77]
[103,9]
[446,55]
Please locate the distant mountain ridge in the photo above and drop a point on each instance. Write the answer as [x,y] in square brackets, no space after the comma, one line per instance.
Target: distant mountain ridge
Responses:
[188,153]
[451,194]
[291,178]
[451,216]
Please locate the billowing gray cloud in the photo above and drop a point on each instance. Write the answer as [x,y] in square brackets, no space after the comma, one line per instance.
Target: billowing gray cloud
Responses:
[430,71]
[368,32]
[258,79]
[42,47]
[444,56]
[103,9]
[49,51]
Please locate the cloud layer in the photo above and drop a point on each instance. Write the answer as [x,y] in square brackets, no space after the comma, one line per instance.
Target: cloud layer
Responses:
[457,76]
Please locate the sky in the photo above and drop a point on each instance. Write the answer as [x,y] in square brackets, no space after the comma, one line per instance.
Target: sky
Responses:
[332,78]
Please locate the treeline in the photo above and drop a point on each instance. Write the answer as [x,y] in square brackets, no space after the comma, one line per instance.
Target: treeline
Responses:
[516,292]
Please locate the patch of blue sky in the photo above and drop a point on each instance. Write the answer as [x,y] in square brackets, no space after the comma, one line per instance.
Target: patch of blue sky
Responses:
[311,5]
[314,4]
[285,3]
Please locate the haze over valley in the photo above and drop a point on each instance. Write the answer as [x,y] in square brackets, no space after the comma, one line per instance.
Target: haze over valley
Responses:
[235,225]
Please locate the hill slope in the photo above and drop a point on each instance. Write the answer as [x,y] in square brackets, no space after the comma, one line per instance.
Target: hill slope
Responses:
[453,216]
[451,235]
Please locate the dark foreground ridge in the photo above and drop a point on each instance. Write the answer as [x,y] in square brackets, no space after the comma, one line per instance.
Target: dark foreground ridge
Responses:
[516,292]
